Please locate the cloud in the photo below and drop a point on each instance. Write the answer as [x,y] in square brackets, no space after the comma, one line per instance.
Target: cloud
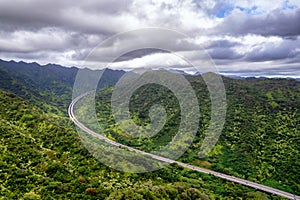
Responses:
[254,69]
[235,33]
[156,61]
[275,23]
[283,49]
[101,17]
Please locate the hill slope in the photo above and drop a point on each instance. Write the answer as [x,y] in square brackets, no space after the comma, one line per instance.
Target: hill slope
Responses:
[42,158]
[260,140]
[41,155]
[49,83]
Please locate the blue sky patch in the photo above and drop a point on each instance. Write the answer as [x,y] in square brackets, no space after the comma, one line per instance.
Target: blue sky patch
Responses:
[224,11]
[228,9]
[286,5]
[250,11]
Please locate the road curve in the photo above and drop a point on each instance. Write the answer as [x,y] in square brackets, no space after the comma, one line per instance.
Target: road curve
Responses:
[160,158]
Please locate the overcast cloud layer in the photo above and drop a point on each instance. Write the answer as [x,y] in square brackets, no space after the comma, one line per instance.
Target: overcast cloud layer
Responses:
[242,37]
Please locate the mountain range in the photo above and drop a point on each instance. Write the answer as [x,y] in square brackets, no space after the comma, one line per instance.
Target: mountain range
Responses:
[42,156]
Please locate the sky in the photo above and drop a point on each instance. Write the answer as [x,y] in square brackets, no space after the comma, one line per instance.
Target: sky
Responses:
[242,37]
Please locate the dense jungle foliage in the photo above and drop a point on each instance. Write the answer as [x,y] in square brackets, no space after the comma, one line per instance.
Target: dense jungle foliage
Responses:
[42,157]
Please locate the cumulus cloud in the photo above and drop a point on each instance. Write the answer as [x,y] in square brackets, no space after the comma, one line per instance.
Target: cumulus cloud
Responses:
[278,22]
[238,35]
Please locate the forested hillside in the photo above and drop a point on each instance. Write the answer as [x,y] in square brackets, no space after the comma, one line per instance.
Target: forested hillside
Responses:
[47,86]
[259,142]
[42,156]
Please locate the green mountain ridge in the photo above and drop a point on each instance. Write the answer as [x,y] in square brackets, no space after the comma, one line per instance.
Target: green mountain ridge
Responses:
[42,156]
[50,83]
[260,139]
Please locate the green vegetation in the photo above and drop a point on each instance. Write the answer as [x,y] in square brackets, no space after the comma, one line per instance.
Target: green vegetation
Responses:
[260,140]
[42,157]
[48,87]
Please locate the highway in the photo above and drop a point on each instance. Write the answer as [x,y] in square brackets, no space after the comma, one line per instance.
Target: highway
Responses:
[160,158]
